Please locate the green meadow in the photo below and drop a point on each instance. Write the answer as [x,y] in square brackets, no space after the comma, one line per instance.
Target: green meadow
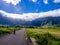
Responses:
[42,36]
[7,30]
[45,36]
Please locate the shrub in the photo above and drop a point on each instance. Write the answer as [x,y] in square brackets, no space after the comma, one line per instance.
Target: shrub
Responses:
[5,31]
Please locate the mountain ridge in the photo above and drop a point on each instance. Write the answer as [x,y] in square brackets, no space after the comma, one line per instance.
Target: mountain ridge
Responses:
[40,21]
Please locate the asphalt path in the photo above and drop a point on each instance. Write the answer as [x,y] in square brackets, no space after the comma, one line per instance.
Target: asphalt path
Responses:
[18,39]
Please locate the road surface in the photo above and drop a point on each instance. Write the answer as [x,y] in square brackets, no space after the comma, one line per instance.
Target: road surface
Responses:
[18,39]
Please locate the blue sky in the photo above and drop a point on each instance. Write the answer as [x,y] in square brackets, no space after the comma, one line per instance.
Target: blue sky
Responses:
[30,8]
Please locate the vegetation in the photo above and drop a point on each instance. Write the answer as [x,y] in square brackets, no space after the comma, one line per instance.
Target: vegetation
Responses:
[7,29]
[45,36]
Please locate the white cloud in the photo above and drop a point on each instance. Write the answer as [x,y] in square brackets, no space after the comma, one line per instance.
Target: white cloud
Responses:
[14,2]
[34,0]
[56,1]
[27,16]
[53,13]
[45,1]
[31,16]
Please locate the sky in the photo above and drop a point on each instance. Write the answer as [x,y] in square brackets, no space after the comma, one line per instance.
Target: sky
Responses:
[30,9]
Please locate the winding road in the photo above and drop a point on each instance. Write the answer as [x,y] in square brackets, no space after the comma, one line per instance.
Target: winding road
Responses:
[18,39]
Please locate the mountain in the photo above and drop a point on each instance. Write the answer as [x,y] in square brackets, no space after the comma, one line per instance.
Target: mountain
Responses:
[10,21]
[4,20]
[46,20]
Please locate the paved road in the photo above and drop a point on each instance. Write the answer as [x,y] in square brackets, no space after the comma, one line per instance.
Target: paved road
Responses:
[18,39]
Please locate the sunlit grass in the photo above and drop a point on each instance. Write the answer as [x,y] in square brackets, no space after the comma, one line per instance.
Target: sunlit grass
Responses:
[5,30]
[55,31]
[45,36]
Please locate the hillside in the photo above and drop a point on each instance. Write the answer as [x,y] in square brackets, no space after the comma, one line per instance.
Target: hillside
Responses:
[36,22]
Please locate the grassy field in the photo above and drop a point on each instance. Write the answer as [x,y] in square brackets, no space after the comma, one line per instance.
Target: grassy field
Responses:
[45,36]
[5,30]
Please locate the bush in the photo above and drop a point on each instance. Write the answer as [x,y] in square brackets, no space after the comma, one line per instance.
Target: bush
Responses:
[5,31]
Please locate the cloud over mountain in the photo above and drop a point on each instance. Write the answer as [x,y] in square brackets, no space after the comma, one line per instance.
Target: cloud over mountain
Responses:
[32,16]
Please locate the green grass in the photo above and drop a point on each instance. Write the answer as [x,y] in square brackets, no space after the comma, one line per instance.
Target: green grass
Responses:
[45,36]
[4,30]
[54,31]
